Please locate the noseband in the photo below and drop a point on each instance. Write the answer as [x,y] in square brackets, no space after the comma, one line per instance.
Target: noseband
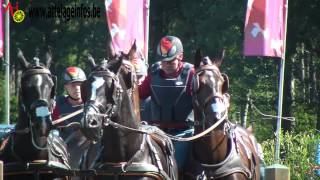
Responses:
[111,109]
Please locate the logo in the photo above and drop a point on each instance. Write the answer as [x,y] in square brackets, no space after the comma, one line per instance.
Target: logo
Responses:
[73,71]
[17,14]
[165,46]
[179,83]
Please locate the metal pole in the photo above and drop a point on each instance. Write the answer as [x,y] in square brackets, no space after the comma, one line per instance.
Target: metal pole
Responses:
[7,65]
[147,6]
[281,82]
[278,132]
[245,114]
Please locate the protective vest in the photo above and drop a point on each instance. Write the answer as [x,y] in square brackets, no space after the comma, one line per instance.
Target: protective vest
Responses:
[64,109]
[169,100]
[76,142]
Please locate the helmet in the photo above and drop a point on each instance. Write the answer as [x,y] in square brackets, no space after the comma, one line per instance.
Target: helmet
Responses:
[73,74]
[168,48]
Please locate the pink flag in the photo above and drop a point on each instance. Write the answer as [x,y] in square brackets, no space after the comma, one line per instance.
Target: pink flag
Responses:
[265,28]
[1,31]
[127,22]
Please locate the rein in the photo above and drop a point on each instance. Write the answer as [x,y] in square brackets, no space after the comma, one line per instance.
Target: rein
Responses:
[64,118]
[151,131]
[107,118]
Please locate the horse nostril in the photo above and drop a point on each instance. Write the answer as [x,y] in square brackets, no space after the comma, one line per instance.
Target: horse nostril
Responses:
[93,123]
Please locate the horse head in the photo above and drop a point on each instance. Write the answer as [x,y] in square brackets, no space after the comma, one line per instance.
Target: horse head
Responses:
[36,96]
[128,72]
[210,88]
[101,94]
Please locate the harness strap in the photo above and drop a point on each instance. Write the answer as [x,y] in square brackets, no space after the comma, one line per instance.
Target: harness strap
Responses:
[135,169]
[57,148]
[232,164]
[137,154]
[154,153]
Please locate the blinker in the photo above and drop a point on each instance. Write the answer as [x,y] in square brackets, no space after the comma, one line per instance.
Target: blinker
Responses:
[42,111]
[217,107]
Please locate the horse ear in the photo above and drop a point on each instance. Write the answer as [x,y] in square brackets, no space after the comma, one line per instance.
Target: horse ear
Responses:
[198,58]
[225,86]
[114,66]
[91,61]
[111,52]
[133,50]
[48,57]
[218,61]
[22,59]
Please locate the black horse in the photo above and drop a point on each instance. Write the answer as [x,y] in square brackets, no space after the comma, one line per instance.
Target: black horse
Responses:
[127,151]
[33,150]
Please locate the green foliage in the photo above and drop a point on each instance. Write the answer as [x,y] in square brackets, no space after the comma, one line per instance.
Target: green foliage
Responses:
[13,109]
[297,153]
[305,118]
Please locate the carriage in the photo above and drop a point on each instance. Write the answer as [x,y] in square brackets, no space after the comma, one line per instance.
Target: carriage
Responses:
[128,149]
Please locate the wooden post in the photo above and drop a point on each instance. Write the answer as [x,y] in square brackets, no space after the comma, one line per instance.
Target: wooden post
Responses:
[1,170]
[277,172]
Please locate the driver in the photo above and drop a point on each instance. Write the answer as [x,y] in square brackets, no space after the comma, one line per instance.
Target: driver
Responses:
[67,104]
[167,94]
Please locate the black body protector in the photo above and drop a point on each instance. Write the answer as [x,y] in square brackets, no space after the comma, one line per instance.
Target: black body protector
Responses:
[169,101]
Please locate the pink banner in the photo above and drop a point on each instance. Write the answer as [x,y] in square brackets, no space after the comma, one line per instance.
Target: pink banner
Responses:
[264,32]
[1,30]
[127,22]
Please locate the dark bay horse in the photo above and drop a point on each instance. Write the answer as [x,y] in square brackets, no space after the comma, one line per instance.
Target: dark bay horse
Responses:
[33,150]
[127,72]
[127,151]
[229,151]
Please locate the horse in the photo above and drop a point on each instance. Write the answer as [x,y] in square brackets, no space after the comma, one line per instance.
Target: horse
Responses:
[127,150]
[34,150]
[228,152]
[128,73]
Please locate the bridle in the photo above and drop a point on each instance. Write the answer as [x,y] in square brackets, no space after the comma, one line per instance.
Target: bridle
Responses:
[111,109]
[217,107]
[41,102]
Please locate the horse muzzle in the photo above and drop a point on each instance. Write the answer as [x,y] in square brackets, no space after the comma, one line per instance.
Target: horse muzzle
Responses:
[91,124]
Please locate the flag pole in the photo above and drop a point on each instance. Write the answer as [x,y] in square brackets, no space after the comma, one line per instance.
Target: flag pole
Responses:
[281,84]
[147,5]
[7,65]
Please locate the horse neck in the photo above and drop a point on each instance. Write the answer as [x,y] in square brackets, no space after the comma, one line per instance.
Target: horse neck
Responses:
[128,76]
[121,144]
[213,147]
[136,101]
